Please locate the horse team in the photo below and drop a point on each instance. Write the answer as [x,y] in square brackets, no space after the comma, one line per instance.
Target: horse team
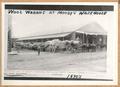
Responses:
[57,45]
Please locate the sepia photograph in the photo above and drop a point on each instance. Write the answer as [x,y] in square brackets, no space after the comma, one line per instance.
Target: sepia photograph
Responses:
[59,42]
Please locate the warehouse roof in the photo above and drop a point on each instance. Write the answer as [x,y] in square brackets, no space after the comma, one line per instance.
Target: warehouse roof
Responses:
[46,36]
[92,28]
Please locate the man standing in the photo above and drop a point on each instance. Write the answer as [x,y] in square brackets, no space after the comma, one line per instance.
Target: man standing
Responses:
[39,49]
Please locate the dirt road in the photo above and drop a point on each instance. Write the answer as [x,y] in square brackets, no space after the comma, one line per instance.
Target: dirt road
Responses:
[29,60]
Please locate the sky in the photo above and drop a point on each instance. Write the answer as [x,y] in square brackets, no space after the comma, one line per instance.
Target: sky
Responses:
[24,25]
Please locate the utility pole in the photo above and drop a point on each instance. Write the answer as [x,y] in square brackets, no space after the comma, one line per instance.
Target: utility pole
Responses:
[9,33]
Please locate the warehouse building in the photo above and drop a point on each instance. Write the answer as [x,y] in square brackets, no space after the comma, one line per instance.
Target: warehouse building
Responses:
[91,33]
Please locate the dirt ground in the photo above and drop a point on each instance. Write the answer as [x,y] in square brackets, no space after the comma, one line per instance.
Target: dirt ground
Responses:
[29,60]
